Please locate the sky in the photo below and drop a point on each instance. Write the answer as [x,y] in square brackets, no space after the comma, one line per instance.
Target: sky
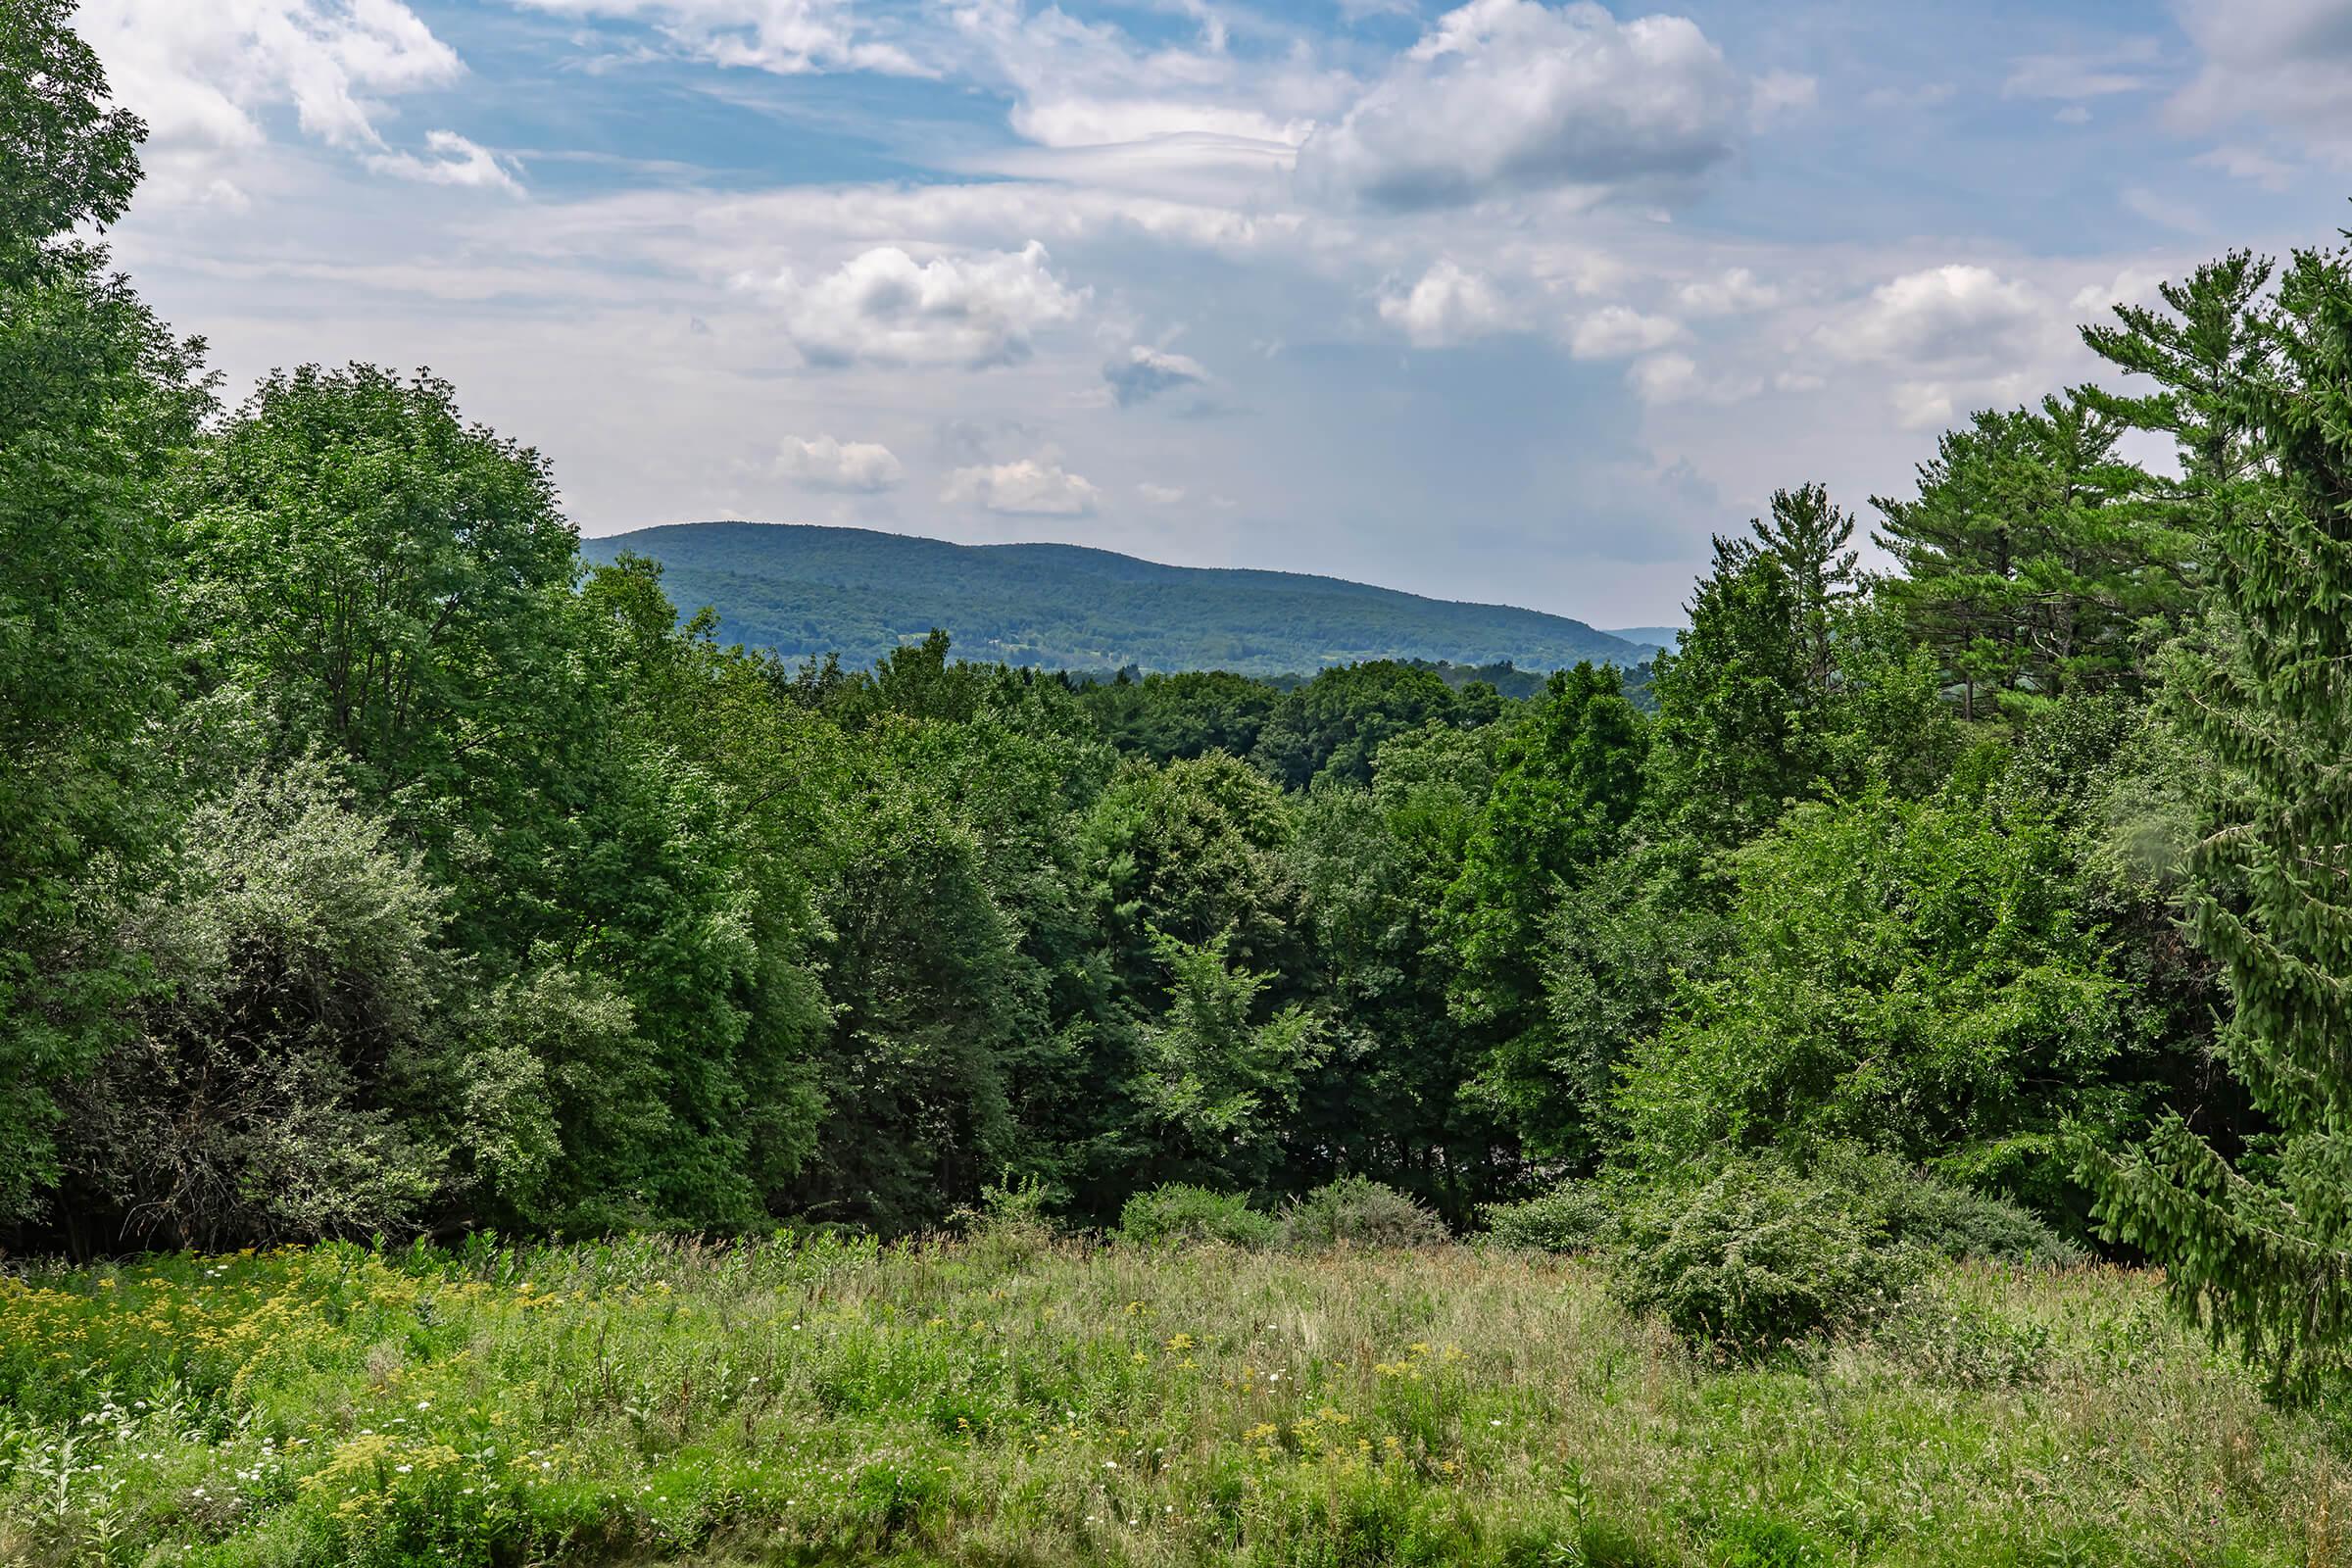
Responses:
[1508,302]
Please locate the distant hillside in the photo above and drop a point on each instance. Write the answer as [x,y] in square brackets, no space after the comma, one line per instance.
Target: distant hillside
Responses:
[800,590]
[1646,636]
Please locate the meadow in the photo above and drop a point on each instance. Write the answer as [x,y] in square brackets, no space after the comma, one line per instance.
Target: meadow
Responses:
[1016,1399]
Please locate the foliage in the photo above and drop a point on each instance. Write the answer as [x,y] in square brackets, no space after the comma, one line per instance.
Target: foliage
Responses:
[1754,1257]
[1576,1217]
[2263,1248]
[1174,1213]
[1357,1211]
[1911,974]
[2032,564]
[97,398]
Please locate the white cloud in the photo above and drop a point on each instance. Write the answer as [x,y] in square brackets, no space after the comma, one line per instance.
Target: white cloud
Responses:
[453,160]
[1920,405]
[1081,122]
[2123,69]
[1026,488]
[1510,95]
[2248,163]
[790,37]
[1779,94]
[204,74]
[1614,331]
[1664,378]
[1447,306]
[1161,495]
[2170,212]
[1938,315]
[1923,95]
[827,464]
[1729,293]
[1143,374]
[2283,62]
[2131,286]
[2073,115]
[883,307]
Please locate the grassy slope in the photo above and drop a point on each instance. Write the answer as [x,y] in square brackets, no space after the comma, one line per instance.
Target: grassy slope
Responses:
[803,590]
[1013,1402]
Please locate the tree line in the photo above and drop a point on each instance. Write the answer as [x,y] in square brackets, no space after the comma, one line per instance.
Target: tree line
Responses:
[368,865]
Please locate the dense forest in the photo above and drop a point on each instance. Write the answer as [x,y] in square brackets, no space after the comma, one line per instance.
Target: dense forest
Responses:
[800,590]
[372,864]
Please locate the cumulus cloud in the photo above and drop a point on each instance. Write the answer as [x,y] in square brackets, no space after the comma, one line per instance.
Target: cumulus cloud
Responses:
[1028,487]
[1161,495]
[1939,314]
[1146,373]
[826,464]
[1614,331]
[883,307]
[204,76]
[1513,95]
[452,161]
[1448,305]
[790,37]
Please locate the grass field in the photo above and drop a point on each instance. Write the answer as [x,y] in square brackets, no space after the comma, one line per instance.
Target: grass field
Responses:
[1012,1400]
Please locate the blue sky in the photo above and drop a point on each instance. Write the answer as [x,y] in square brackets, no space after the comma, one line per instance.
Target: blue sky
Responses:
[1509,301]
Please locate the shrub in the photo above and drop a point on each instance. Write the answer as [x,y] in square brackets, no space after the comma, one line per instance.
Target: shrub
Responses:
[1573,1217]
[1174,1215]
[1357,1211]
[1755,1257]
[1920,1210]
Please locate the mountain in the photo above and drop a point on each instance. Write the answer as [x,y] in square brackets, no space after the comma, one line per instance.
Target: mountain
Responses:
[800,590]
[1646,636]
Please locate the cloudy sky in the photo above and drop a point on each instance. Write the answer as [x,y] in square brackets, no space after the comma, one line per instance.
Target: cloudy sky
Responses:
[1510,302]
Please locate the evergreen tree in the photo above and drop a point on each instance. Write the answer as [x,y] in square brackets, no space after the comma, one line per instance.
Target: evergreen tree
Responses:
[2029,557]
[2263,1249]
[1808,535]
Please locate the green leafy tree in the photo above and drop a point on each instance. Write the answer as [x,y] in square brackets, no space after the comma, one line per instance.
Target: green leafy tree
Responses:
[1373,867]
[1567,779]
[1218,1082]
[1913,975]
[1335,723]
[67,157]
[97,398]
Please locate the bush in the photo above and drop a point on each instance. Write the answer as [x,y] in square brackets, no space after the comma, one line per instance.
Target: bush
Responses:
[1961,1224]
[1924,1210]
[1356,1211]
[1175,1215]
[1756,1258]
[1573,1217]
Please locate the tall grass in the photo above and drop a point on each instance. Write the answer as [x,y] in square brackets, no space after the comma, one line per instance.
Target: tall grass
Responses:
[1019,1400]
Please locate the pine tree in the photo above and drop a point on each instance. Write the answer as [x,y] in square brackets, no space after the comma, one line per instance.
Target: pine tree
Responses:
[2263,1252]
[2028,560]
[1808,535]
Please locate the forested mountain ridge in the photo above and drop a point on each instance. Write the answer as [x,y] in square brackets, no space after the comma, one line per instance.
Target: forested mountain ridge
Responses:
[799,590]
